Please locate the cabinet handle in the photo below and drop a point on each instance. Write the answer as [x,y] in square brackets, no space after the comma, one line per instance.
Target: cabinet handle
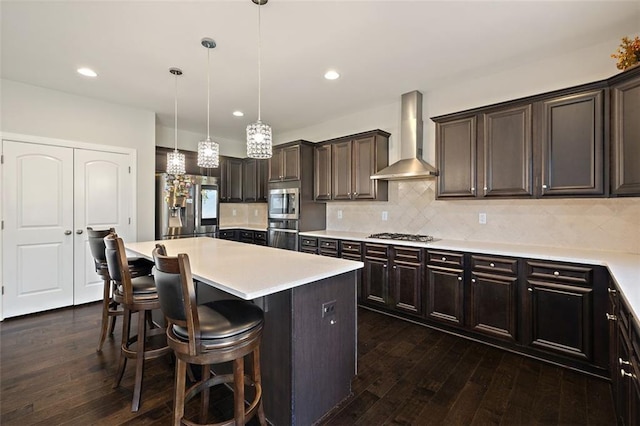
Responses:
[384,266]
[623,362]
[485,188]
[473,280]
[472,189]
[459,278]
[624,373]
[444,259]
[530,289]
[611,317]
[544,186]
[612,291]
[395,267]
[355,194]
[493,265]
[556,273]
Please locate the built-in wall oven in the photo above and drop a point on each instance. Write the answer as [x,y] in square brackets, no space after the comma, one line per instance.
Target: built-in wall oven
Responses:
[283,234]
[284,203]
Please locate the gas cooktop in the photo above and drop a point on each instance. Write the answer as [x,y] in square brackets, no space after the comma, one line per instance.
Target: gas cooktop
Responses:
[403,237]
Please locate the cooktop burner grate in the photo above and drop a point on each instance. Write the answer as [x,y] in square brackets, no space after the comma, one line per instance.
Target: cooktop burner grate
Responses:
[402,237]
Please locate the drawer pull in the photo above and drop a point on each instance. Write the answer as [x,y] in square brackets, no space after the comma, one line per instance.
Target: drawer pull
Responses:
[473,280]
[623,362]
[530,289]
[611,317]
[624,373]
[612,291]
[459,278]
[444,259]
[556,274]
[493,265]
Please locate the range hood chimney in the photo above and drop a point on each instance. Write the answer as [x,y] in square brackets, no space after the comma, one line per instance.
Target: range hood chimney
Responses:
[411,165]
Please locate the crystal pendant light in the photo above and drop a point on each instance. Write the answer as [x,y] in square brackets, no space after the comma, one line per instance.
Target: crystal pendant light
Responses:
[259,133]
[175,159]
[208,150]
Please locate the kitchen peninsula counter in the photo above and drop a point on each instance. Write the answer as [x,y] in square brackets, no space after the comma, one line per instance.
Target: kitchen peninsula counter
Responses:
[624,268]
[308,356]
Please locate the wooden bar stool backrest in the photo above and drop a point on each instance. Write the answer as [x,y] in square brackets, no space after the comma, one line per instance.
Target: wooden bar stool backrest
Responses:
[177,294]
[118,265]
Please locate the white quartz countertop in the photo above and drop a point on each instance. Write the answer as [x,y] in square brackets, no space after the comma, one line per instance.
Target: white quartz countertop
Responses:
[623,267]
[246,270]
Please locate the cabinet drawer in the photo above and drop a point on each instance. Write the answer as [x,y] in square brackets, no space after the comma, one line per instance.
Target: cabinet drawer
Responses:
[331,245]
[406,254]
[308,242]
[376,250]
[560,272]
[259,236]
[500,265]
[354,248]
[246,235]
[445,258]
[226,234]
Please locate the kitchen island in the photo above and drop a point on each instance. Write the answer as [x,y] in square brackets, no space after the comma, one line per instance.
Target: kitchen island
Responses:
[308,355]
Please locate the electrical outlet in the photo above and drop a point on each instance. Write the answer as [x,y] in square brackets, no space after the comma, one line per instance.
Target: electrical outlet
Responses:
[385,215]
[255,212]
[328,309]
[233,212]
[482,218]
[339,214]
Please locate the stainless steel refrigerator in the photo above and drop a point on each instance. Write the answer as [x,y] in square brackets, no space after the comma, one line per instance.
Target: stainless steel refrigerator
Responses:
[186,206]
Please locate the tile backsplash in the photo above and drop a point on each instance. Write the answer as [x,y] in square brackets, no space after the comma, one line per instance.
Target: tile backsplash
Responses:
[587,223]
[246,214]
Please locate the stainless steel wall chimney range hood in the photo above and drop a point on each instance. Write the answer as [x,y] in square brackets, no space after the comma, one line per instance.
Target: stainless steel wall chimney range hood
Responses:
[411,165]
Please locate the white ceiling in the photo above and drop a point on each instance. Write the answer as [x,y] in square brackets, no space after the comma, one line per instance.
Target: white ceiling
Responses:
[381,48]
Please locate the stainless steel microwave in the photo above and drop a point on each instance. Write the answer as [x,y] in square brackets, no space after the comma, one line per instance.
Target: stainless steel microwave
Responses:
[284,203]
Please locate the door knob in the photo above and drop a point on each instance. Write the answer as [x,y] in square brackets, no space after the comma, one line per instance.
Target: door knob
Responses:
[78,231]
[68,232]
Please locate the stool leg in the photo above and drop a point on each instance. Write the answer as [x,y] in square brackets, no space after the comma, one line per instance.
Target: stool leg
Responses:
[140,344]
[106,298]
[204,395]
[126,326]
[257,379]
[238,390]
[179,391]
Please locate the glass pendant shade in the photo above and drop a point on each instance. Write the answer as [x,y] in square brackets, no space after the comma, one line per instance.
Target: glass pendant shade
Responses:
[259,140]
[208,154]
[176,163]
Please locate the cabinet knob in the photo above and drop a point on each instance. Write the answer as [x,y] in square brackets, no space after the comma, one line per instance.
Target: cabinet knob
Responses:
[459,278]
[384,266]
[493,265]
[623,362]
[355,194]
[328,194]
[485,188]
[444,259]
[612,291]
[473,280]
[395,267]
[544,186]
[611,317]
[530,289]
[624,373]
[556,274]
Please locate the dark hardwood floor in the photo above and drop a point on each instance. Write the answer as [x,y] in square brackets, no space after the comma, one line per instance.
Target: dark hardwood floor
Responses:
[50,374]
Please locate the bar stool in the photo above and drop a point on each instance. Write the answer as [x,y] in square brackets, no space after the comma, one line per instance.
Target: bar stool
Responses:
[135,295]
[213,333]
[137,266]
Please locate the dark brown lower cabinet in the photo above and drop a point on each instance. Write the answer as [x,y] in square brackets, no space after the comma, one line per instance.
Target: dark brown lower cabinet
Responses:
[445,295]
[375,275]
[493,305]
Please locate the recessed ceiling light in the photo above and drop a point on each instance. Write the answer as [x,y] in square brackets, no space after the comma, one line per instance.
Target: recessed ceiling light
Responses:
[238,113]
[87,72]
[331,75]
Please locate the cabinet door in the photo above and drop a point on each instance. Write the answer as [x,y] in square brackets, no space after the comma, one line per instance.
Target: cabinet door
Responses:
[493,305]
[573,145]
[507,153]
[250,180]
[406,288]
[560,318]
[341,164]
[445,295]
[625,138]
[363,166]
[291,163]
[262,179]
[275,165]
[375,281]
[322,173]
[234,180]
[456,153]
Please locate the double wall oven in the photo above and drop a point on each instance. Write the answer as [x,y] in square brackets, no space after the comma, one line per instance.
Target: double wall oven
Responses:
[283,216]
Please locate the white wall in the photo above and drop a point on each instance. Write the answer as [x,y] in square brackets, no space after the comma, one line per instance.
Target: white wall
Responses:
[36,111]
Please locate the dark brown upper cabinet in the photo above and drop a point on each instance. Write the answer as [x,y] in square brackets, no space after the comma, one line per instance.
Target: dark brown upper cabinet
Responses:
[284,164]
[573,145]
[254,180]
[547,145]
[322,175]
[231,174]
[625,133]
[343,167]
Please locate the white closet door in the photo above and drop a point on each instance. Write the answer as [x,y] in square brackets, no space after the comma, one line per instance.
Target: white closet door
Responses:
[37,188]
[103,188]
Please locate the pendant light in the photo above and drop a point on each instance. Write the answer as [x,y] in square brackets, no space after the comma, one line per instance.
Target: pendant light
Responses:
[259,133]
[208,150]
[175,159]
